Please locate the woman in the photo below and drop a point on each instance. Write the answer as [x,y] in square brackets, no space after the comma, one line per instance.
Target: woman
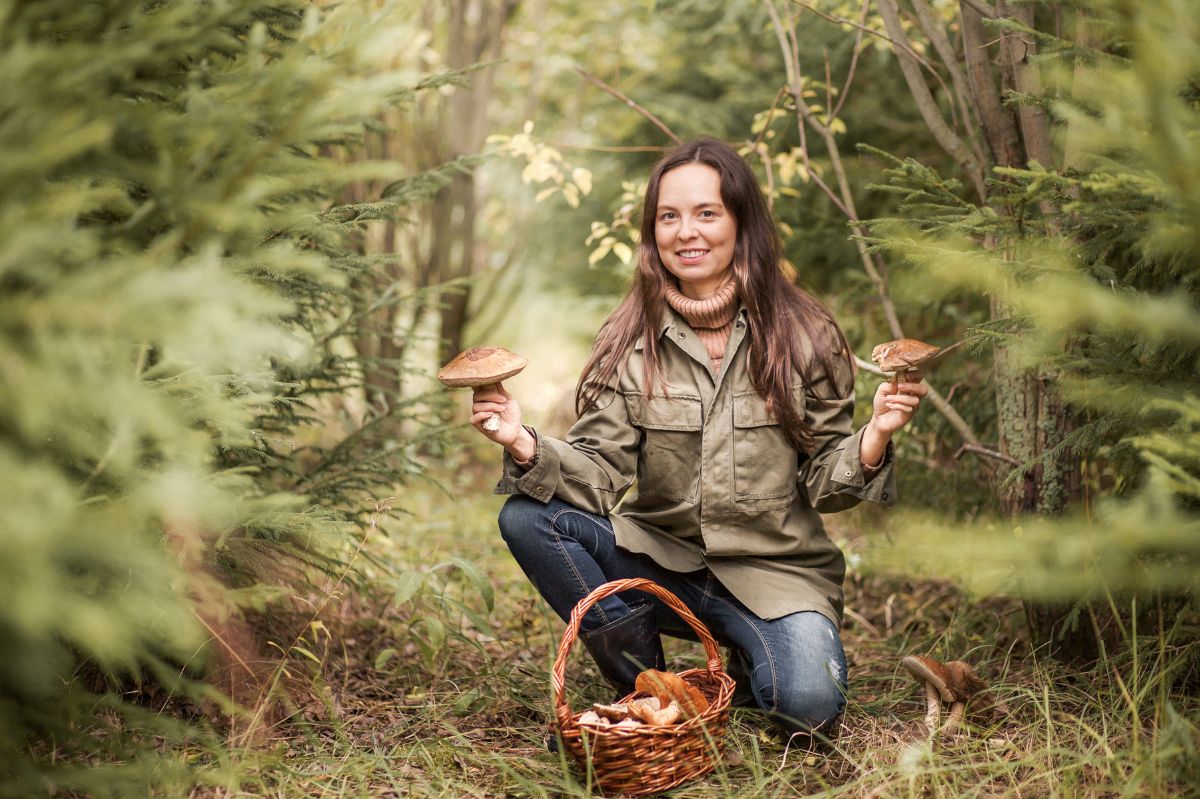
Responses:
[727,393]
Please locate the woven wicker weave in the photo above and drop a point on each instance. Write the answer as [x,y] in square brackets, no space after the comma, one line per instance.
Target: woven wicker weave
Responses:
[646,759]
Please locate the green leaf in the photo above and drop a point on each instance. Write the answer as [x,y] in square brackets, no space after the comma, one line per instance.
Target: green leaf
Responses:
[383,657]
[406,585]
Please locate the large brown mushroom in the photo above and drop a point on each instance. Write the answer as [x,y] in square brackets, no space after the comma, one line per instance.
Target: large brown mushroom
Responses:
[482,368]
[906,355]
[953,682]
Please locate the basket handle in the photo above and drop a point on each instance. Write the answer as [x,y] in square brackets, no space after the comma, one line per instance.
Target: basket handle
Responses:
[558,673]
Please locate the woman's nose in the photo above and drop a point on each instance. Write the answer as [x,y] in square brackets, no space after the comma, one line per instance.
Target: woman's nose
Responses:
[686,230]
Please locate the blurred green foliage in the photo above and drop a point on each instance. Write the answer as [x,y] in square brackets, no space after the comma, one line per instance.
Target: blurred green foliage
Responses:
[1099,266]
[179,296]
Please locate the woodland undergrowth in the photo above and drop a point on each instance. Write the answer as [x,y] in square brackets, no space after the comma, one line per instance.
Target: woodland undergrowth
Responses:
[436,683]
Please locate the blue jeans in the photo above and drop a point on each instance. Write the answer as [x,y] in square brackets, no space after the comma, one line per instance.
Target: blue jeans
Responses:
[794,665]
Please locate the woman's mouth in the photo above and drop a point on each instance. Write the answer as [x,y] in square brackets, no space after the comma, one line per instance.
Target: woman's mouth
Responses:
[691,257]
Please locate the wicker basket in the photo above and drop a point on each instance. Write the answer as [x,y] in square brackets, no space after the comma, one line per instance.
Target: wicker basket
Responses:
[646,759]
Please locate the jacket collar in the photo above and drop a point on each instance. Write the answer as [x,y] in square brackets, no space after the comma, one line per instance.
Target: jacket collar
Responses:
[671,318]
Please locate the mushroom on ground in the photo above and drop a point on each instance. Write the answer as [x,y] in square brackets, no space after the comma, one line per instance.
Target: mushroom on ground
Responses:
[482,368]
[966,684]
[933,676]
[906,355]
[953,682]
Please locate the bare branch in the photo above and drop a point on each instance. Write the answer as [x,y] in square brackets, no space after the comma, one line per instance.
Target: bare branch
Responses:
[864,29]
[999,127]
[1016,50]
[981,8]
[762,134]
[940,404]
[658,123]
[987,453]
[934,30]
[600,148]
[844,200]
[853,62]
[926,105]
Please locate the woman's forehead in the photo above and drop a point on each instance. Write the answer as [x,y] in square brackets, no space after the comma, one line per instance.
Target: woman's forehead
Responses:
[690,185]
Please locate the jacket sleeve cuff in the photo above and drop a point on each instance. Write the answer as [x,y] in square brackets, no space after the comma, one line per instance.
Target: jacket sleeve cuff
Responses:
[879,486]
[538,481]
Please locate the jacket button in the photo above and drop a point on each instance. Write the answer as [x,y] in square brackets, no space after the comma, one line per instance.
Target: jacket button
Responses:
[539,491]
[849,474]
[885,495]
[682,334]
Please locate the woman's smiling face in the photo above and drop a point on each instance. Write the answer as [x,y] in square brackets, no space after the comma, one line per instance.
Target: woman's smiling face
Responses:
[694,232]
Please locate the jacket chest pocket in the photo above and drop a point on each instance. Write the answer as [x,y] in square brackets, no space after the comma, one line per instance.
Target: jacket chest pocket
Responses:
[764,463]
[669,462]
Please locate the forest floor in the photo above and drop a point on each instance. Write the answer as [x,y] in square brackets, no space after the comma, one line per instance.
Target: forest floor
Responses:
[438,685]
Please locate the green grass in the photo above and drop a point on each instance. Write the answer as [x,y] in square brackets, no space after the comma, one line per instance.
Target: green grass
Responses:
[433,681]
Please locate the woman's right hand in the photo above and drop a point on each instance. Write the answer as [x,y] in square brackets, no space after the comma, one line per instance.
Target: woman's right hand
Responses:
[510,435]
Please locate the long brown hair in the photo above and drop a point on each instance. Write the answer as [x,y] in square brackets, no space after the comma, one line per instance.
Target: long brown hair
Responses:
[774,305]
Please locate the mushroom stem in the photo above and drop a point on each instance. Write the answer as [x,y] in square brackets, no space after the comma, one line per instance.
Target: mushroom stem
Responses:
[933,711]
[492,423]
[955,718]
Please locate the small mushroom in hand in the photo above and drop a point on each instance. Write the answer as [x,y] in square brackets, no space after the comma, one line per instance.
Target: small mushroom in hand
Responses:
[482,368]
[953,682]
[906,355]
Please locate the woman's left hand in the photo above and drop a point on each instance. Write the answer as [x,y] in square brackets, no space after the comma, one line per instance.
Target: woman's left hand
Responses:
[894,406]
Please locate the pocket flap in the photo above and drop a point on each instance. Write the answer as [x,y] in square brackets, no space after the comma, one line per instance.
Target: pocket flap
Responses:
[750,410]
[663,413]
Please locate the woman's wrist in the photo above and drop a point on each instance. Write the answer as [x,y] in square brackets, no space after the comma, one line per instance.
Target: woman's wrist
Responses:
[524,447]
[873,446]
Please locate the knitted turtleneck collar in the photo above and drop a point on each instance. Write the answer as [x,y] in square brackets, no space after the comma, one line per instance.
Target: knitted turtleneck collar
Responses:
[715,312]
[711,318]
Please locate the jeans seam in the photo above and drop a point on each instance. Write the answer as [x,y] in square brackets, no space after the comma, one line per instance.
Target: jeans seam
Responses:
[766,648]
[562,549]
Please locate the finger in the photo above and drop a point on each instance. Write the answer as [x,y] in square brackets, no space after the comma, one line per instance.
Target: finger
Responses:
[490,407]
[907,407]
[479,418]
[490,395]
[914,389]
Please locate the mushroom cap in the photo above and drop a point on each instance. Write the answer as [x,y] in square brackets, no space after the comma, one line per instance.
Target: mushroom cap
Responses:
[669,687]
[481,366]
[903,354]
[928,670]
[963,680]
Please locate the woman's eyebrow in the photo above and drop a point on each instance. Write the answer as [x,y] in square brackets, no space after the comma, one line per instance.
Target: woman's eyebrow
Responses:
[664,207]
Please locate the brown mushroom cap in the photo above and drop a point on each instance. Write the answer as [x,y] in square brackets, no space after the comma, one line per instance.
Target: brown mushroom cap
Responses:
[481,366]
[903,354]
[963,680]
[928,670]
[669,687]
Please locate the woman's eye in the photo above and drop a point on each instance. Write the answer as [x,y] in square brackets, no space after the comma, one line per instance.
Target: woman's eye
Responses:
[666,217]
[707,214]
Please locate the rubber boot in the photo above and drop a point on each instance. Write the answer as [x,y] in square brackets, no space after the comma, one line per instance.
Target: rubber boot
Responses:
[625,648]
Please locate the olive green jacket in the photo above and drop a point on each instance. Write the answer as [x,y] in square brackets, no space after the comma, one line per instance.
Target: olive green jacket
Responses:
[707,477]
